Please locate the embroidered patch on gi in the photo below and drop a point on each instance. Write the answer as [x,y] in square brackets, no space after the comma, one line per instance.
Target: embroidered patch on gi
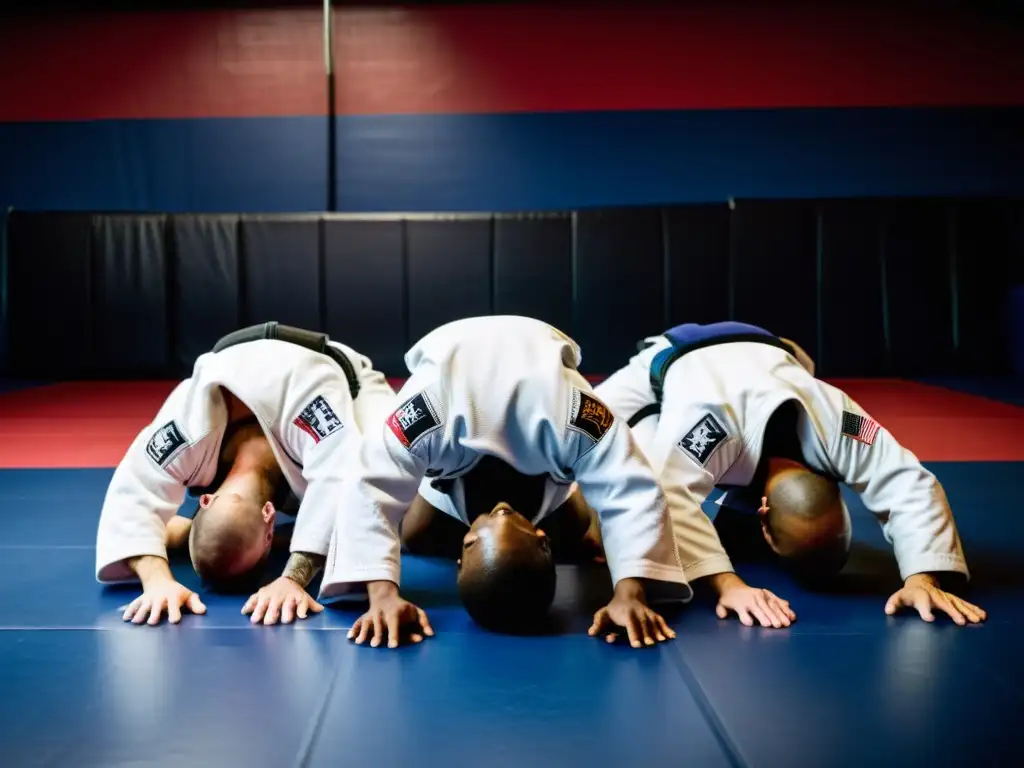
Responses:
[703,438]
[590,416]
[413,420]
[859,427]
[318,419]
[165,443]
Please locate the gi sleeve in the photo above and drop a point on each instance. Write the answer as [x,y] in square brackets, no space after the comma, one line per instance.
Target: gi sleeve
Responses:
[376,400]
[393,460]
[324,465]
[906,499]
[146,490]
[687,469]
[618,484]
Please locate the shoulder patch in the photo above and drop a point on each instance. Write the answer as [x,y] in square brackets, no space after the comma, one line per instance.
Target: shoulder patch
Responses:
[859,427]
[590,416]
[703,438]
[165,443]
[318,419]
[413,419]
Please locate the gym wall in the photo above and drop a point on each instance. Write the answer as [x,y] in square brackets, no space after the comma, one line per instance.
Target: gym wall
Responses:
[621,114]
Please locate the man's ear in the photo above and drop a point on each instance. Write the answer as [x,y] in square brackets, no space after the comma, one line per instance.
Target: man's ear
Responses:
[269,513]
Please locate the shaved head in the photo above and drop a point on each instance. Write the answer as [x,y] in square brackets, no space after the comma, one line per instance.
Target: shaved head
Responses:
[230,540]
[506,572]
[807,523]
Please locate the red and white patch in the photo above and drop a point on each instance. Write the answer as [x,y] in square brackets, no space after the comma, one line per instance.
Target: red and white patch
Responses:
[318,419]
[860,427]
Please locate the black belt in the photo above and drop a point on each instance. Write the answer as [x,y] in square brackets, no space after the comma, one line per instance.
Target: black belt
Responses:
[311,340]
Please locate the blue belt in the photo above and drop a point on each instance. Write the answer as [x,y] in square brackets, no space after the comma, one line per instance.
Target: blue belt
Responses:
[691,336]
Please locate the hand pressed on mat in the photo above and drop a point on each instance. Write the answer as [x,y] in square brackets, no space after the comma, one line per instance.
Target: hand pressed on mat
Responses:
[160,592]
[282,598]
[389,613]
[628,610]
[921,592]
[750,604]
[286,596]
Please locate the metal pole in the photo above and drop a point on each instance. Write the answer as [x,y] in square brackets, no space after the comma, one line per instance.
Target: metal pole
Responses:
[5,331]
[332,160]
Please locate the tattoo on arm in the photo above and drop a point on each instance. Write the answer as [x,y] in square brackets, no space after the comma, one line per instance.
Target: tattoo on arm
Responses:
[302,567]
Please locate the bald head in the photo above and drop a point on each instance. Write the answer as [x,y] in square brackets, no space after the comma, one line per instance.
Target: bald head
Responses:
[807,523]
[230,540]
[507,572]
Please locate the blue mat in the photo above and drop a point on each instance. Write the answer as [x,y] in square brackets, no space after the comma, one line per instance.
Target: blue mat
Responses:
[845,686]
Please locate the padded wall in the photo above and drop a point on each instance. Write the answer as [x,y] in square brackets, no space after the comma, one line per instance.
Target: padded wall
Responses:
[868,287]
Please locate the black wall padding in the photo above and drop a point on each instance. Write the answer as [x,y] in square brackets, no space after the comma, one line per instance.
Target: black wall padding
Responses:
[697,252]
[533,267]
[281,270]
[903,287]
[205,285]
[50,308]
[130,314]
[449,271]
[852,314]
[981,243]
[774,281]
[364,286]
[620,284]
[1016,214]
[916,246]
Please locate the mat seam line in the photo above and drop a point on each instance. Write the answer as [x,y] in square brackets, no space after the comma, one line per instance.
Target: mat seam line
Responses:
[311,736]
[700,698]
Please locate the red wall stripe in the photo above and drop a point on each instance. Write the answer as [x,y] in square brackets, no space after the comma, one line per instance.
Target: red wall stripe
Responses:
[503,59]
[535,59]
[155,65]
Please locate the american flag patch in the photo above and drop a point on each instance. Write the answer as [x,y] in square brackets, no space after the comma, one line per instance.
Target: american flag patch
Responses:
[859,427]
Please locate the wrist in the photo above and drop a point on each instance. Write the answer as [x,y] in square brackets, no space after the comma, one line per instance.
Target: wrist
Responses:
[380,590]
[921,580]
[302,567]
[722,582]
[629,589]
[150,568]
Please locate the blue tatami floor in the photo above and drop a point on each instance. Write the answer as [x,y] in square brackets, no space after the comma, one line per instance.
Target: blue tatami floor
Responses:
[845,686]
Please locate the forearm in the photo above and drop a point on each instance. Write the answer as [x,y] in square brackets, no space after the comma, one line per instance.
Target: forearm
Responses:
[701,553]
[365,545]
[133,520]
[302,567]
[177,532]
[918,523]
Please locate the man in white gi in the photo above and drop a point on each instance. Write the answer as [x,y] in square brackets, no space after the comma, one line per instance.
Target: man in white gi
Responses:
[731,405]
[285,410]
[505,391]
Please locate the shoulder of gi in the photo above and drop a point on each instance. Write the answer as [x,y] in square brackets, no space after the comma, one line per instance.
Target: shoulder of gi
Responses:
[417,421]
[586,422]
[183,440]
